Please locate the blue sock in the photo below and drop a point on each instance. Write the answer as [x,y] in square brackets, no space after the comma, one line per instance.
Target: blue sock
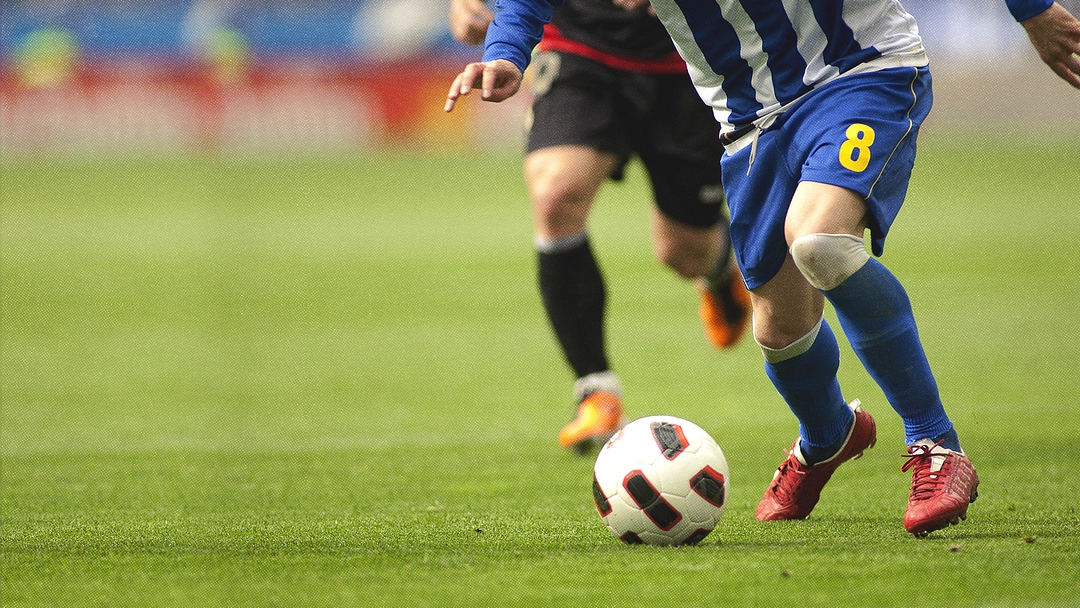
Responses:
[950,440]
[808,384]
[876,315]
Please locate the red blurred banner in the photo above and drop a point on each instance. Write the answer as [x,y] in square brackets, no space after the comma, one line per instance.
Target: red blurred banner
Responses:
[307,106]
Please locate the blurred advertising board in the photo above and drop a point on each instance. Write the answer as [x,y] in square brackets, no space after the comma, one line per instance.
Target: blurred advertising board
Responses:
[93,76]
[120,75]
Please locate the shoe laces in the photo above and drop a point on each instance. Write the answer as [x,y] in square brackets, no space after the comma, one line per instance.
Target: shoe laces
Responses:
[789,476]
[924,483]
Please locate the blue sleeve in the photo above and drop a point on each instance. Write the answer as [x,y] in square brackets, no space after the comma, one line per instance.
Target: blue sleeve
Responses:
[1023,10]
[517,28]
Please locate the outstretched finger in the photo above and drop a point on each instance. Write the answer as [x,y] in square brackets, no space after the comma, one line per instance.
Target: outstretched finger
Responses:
[453,94]
[463,84]
[1069,70]
[489,81]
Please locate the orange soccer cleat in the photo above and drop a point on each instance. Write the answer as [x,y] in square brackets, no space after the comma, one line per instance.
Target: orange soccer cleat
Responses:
[725,309]
[599,415]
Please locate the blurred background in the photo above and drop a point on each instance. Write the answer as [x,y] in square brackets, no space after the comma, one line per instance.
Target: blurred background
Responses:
[107,76]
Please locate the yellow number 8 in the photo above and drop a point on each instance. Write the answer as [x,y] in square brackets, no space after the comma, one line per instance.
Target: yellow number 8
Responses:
[855,151]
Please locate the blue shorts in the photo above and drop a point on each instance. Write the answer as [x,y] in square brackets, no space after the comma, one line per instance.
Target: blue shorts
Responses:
[857,132]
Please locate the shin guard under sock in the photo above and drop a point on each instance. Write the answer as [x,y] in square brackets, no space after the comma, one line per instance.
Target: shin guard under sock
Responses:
[876,315]
[804,373]
[573,293]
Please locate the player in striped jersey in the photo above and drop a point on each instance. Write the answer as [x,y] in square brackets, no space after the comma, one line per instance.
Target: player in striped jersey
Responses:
[820,103]
[608,85]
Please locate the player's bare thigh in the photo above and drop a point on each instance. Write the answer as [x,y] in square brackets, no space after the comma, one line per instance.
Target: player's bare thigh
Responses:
[818,208]
[563,182]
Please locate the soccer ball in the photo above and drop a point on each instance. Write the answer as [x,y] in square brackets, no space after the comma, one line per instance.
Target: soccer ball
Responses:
[661,480]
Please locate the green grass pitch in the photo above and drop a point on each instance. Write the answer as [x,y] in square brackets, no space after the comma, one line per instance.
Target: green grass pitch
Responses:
[328,382]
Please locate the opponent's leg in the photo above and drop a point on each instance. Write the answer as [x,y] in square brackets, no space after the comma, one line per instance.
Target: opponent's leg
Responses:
[704,255]
[563,182]
[690,251]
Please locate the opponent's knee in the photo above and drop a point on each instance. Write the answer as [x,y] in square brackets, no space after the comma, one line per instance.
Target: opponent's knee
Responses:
[686,260]
[827,260]
[560,202]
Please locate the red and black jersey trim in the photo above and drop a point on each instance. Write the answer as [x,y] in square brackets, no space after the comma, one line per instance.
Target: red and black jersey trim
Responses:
[554,40]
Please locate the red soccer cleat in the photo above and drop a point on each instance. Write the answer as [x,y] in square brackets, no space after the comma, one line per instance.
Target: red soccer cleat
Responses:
[796,486]
[943,484]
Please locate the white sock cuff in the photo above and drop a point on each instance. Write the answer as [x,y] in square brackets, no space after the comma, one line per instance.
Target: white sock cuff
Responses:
[560,244]
[605,381]
[796,348]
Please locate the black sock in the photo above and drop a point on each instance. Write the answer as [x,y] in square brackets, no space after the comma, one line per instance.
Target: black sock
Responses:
[573,293]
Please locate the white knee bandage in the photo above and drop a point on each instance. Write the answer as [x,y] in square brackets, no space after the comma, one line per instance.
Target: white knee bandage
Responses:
[827,260]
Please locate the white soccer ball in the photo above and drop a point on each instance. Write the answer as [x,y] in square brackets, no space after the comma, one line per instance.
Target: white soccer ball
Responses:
[661,480]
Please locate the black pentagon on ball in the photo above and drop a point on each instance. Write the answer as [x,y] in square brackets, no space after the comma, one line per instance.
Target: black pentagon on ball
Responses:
[670,438]
[649,500]
[602,504]
[709,484]
[698,536]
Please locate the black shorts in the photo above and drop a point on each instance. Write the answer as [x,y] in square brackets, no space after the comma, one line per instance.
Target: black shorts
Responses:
[658,117]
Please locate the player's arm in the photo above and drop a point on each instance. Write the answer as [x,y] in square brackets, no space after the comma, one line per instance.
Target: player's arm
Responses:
[511,36]
[469,21]
[1054,32]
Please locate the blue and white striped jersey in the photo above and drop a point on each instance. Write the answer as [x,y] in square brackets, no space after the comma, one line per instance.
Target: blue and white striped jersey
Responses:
[750,58]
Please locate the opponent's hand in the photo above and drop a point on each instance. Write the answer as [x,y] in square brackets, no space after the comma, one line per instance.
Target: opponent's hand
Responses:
[469,20]
[497,80]
[1056,36]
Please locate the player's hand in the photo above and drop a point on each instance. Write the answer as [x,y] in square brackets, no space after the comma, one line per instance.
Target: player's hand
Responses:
[1056,36]
[497,80]
[469,20]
